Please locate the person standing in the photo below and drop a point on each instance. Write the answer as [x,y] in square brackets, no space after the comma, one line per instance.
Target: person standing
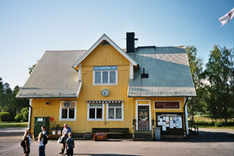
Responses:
[70,144]
[41,144]
[26,142]
[66,130]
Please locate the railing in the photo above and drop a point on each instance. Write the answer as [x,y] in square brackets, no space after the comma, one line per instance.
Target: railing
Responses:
[193,127]
[152,128]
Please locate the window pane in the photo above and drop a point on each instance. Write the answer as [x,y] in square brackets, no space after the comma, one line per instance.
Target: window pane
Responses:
[115,105]
[105,77]
[92,113]
[111,113]
[95,105]
[71,113]
[64,113]
[99,113]
[112,77]
[97,77]
[118,113]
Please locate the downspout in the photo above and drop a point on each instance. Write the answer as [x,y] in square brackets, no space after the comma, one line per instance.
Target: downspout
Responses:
[186,115]
[30,113]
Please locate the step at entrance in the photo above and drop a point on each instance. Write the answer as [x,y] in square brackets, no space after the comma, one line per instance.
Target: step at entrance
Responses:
[143,135]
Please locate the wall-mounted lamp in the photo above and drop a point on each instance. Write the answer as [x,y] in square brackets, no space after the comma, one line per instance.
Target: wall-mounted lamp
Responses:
[47,103]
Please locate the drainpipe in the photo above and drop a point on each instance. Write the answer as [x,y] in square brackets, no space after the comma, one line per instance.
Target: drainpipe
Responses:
[30,113]
[186,115]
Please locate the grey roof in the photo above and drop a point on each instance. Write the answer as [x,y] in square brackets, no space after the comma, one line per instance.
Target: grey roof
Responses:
[168,69]
[54,76]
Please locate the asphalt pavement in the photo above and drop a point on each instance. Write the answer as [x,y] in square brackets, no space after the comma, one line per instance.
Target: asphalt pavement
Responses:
[209,142]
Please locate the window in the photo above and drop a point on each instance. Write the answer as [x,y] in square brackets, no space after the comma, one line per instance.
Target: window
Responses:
[115,111]
[105,75]
[95,112]
[67,111]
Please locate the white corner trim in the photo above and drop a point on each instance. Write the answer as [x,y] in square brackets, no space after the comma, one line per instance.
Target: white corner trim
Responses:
[79,89]
[149,104]
[102,38]
[79,73]
[131,71]
[29,113]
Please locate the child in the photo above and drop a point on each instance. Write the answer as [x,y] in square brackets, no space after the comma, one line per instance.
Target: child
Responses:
[41,145]
[70,144]
[27,142]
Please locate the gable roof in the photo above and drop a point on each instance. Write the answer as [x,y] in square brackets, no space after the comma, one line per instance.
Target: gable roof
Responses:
[104,37]
[169,73]
[53,76]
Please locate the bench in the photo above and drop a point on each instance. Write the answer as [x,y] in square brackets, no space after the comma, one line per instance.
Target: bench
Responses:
[112,132]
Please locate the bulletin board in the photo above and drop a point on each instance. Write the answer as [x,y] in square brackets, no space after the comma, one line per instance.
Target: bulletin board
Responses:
[170,123]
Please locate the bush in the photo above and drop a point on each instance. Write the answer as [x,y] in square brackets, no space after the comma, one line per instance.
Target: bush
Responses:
[218,124]
[18,117]
[24,112]
[4,116]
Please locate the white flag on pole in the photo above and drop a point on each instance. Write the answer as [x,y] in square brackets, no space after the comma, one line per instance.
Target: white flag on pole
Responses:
[227,17]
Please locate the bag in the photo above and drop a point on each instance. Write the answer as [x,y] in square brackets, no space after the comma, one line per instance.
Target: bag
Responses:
[22,144]
[60,140]
[45,139]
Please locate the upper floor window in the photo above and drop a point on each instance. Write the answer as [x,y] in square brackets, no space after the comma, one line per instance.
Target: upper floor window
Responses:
[105,75]
[67,111]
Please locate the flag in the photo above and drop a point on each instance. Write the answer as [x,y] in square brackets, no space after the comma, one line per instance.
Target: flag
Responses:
[227,17]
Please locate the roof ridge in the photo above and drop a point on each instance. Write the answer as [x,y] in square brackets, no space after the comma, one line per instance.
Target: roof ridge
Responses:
[65,50]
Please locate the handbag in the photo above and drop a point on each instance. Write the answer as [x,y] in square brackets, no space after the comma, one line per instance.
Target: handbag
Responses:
[60,139]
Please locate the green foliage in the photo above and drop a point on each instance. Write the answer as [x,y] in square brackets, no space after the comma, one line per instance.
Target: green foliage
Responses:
[23,116]
[218,124]
[219,73]
[19,117]
[24,112]
[198,103]
[4,116]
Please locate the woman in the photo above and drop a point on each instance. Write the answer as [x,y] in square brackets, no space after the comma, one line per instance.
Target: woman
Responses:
[27,142]
[41,145]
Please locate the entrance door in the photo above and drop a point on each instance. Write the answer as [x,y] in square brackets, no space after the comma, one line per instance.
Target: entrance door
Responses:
[143,118]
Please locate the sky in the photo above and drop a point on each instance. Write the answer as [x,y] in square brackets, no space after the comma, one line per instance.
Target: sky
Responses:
[29,28]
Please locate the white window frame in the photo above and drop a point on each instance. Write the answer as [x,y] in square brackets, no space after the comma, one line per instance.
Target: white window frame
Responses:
[107,112]
[97,84]
[88,119]
[60,112]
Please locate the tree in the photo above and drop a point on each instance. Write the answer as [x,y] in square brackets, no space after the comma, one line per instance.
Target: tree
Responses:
[219,72]
[196,104]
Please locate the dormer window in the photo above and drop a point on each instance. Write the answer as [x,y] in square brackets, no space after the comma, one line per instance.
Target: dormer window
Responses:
[105,75]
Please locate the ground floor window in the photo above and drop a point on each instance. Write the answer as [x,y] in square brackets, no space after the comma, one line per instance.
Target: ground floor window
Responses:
[95,112]
[114,111]
[67,111]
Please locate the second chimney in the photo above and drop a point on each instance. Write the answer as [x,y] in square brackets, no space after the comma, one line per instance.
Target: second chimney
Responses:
[130,42]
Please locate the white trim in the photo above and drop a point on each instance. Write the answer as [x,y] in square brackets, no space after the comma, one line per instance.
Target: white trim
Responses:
[102,38]
[186,116]
[88,119]
[131,71]
[60,111]
[100,84]
[78,92]
[149,104]
[166,108]
[29,113]
[79,73]
[107,113]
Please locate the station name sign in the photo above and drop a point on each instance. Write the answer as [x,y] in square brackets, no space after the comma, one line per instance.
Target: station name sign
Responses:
[105,68]
[166,105]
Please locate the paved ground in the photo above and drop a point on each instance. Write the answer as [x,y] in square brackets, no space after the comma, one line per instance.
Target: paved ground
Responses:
[212,142]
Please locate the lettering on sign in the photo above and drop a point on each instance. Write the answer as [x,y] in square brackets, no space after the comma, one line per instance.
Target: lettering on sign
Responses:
[166,105]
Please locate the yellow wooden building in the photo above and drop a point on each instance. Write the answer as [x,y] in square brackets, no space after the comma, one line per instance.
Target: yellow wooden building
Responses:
[107,88]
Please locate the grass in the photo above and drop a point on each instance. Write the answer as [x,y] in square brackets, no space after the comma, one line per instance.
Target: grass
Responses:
[214,127]
[13,124]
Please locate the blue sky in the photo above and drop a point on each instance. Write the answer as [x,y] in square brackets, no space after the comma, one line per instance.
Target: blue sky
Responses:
[29,28]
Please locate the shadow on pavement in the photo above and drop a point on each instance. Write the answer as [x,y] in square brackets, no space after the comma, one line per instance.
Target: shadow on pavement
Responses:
[205,136]
[105,154]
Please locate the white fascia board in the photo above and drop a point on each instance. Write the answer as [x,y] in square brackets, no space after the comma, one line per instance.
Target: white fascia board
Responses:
[102,38]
